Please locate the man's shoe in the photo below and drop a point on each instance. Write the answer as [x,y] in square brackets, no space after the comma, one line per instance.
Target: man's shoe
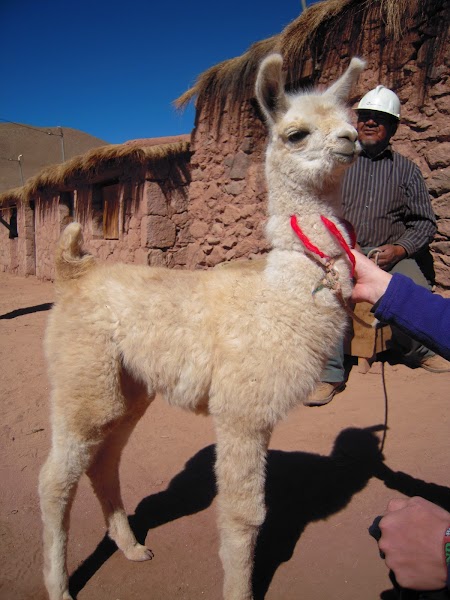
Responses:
[324,393]
[435,364]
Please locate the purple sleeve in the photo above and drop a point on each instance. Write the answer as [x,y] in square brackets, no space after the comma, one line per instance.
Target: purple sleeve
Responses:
[418,312]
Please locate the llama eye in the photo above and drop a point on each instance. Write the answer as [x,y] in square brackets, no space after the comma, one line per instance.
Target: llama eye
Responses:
[297,136]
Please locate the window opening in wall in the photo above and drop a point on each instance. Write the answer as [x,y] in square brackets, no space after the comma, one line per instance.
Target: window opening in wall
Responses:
[11,226]
[110,194]
[105,209]
[97,212]
[66,208]
[32,237]
[13,233]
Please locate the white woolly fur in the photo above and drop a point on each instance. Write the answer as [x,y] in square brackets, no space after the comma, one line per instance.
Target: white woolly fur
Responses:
[242,344]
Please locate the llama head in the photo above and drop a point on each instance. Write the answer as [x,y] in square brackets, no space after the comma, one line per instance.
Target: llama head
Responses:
[311,141]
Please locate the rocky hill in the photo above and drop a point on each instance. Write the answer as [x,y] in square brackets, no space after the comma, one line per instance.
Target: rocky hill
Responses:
[38,147]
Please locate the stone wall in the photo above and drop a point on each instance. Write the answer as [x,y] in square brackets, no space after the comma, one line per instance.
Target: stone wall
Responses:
[126,248]
[26,240]
[47,231]
[153,215]
[227,196]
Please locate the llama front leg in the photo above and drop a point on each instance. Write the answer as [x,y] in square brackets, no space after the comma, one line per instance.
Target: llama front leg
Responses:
[240,471]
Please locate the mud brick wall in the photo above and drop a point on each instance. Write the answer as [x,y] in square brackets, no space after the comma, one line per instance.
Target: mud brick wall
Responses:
[47,228]
[227,196]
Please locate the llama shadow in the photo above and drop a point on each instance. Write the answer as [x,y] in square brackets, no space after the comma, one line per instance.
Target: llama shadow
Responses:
[190,491]
[19,312]
[301,487]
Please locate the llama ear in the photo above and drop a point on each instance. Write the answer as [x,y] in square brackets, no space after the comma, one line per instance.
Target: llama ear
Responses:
[342,87]
[270,87]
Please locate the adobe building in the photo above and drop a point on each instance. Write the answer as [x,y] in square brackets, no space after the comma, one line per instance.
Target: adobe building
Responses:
[131,199]
[193,203]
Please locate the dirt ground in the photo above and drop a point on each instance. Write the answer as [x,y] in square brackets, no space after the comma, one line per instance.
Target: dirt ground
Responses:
[326,482]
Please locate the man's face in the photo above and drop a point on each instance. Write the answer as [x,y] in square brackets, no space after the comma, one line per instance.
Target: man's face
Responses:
[374,128]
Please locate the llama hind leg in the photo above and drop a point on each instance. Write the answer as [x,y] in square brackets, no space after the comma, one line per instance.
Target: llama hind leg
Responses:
[58,480]
[104,476]
[240,471]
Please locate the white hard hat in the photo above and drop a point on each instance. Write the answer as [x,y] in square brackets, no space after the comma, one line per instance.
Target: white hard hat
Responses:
[381,99]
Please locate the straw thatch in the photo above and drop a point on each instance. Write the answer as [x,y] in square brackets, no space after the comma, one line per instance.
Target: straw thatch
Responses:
[235,76]
[98,160]
[319,29]
[86,167]
[12,196]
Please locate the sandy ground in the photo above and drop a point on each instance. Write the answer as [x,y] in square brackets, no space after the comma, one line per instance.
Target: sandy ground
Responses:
[326,483]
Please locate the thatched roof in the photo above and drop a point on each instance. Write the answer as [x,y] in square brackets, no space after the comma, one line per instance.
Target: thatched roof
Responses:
[87,166]
[99,159]
[318,30]
[169,139]
[13,196]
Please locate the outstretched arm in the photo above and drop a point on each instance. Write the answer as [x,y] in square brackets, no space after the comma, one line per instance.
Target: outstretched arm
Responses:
[413,309]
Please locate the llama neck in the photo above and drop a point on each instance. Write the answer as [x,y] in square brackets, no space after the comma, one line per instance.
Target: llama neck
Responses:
[308,188]
[307,206]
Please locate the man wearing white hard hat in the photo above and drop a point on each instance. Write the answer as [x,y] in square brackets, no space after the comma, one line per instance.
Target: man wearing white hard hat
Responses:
[386,200]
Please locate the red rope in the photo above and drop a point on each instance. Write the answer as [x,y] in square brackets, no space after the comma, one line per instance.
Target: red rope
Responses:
[351,232]
[305,241]
[338,235]
[333,230]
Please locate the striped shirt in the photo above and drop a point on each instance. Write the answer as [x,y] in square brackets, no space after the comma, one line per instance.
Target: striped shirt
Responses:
[386,200]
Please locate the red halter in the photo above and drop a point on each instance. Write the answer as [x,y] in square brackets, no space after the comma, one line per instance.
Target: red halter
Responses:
[335,232]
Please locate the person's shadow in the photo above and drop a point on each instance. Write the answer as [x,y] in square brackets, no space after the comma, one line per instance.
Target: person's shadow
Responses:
[301,487]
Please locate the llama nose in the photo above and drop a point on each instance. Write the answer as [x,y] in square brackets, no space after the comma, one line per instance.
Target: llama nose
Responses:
[347,133]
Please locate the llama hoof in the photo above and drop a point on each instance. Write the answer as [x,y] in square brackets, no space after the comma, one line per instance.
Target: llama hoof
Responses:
[65,596]
[55,593]
[139,553]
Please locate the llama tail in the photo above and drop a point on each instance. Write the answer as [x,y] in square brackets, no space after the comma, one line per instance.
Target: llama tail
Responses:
[72,262]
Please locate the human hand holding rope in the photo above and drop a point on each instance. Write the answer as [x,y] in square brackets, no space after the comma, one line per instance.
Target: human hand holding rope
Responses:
[389,255]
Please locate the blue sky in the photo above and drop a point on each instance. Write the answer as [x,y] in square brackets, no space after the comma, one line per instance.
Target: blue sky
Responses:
[113,68]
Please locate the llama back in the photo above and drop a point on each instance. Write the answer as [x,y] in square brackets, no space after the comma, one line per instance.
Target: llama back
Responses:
[71,261]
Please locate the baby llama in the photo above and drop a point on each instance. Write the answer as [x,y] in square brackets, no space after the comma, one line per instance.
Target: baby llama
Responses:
[244,346]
